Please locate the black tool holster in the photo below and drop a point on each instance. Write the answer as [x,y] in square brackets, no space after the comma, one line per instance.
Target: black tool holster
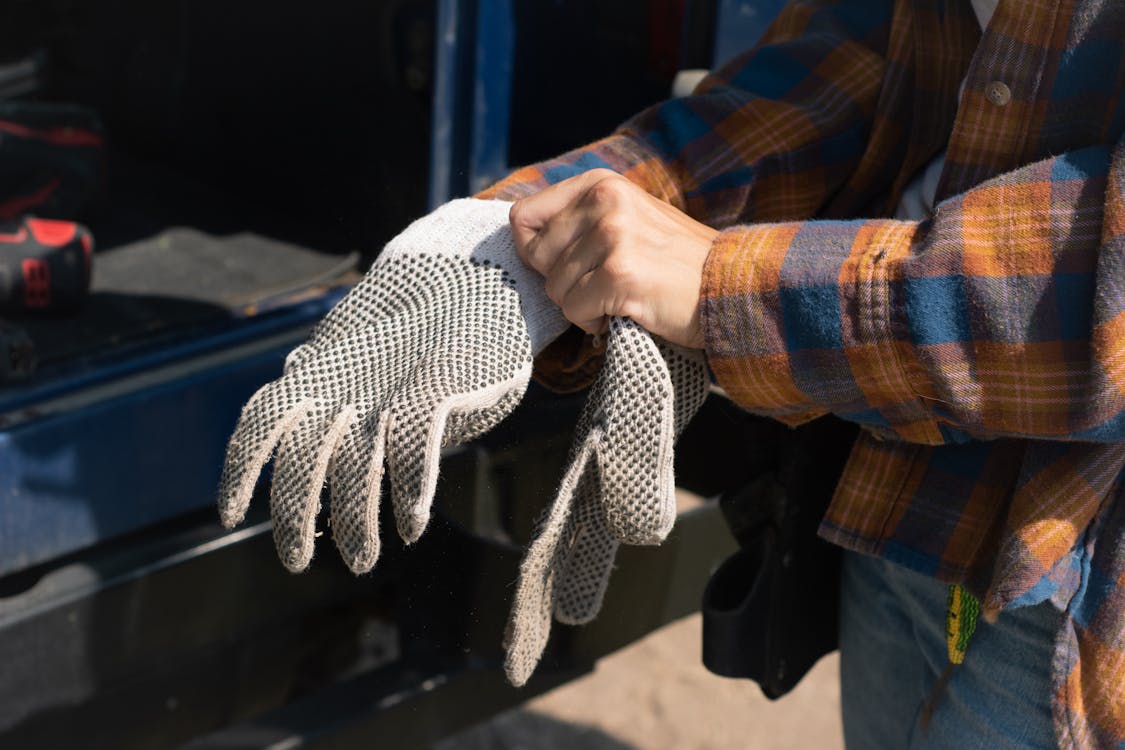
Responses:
[770,611]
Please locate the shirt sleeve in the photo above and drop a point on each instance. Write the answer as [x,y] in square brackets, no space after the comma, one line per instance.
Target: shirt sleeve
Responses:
[770,136]
[1003,315]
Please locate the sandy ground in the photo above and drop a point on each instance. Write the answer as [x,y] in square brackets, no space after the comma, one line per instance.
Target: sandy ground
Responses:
[655,695]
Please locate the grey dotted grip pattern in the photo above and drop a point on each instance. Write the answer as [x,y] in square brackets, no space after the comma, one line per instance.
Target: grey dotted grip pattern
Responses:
[618,488]
[441,363]
[432,348]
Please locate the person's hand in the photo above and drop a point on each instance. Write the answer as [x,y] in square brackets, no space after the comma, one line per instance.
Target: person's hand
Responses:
[607,248]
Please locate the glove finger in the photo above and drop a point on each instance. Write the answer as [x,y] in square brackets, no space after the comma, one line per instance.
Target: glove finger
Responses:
[687,370]
[302,462]
[635,456]
[587,562]
[356,478]
[417,431]
[529,624]
[267,414]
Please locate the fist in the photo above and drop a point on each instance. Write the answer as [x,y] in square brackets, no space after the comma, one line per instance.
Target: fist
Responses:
[607,248]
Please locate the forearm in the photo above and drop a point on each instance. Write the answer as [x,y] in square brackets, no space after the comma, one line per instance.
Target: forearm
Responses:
[743,147]
[620,152]
[1000,317]
[733,151]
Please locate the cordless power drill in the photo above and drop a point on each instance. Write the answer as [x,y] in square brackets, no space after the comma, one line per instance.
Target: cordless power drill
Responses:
[44,268]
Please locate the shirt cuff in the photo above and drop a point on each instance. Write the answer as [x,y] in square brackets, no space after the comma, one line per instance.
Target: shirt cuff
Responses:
[805,318]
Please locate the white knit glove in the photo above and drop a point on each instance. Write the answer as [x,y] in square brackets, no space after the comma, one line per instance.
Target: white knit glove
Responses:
[432,348]
[619,487]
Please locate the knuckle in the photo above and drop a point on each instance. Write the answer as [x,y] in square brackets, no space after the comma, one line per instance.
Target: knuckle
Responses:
[567,308]
[611,228]
[619,270]
[535,255]
[576,314]
[630,308]
[553,292]
[590,326]
[600,174]
[517,214]
[607,190]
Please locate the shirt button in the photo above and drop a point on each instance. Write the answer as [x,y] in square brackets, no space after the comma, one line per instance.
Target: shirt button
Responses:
[998,93]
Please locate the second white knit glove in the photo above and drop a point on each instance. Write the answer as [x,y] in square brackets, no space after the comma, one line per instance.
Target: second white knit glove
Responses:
[619,487]
[432,348]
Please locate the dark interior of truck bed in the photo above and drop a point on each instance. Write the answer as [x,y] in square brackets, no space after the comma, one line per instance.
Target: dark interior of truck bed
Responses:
[256,150]
[249,156]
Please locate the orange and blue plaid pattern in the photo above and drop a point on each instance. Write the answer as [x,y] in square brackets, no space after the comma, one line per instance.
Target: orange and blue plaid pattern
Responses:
[984,349]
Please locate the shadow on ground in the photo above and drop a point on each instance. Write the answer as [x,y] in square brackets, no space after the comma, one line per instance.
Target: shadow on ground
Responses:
[656,695]
[530,730]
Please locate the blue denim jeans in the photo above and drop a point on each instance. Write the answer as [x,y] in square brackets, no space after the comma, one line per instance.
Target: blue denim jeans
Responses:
[893,650]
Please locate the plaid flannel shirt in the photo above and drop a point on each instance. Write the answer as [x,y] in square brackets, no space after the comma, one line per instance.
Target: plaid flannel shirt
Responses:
[983,350]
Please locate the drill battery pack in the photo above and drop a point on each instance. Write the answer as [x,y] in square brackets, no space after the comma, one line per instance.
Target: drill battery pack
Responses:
[44,265]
